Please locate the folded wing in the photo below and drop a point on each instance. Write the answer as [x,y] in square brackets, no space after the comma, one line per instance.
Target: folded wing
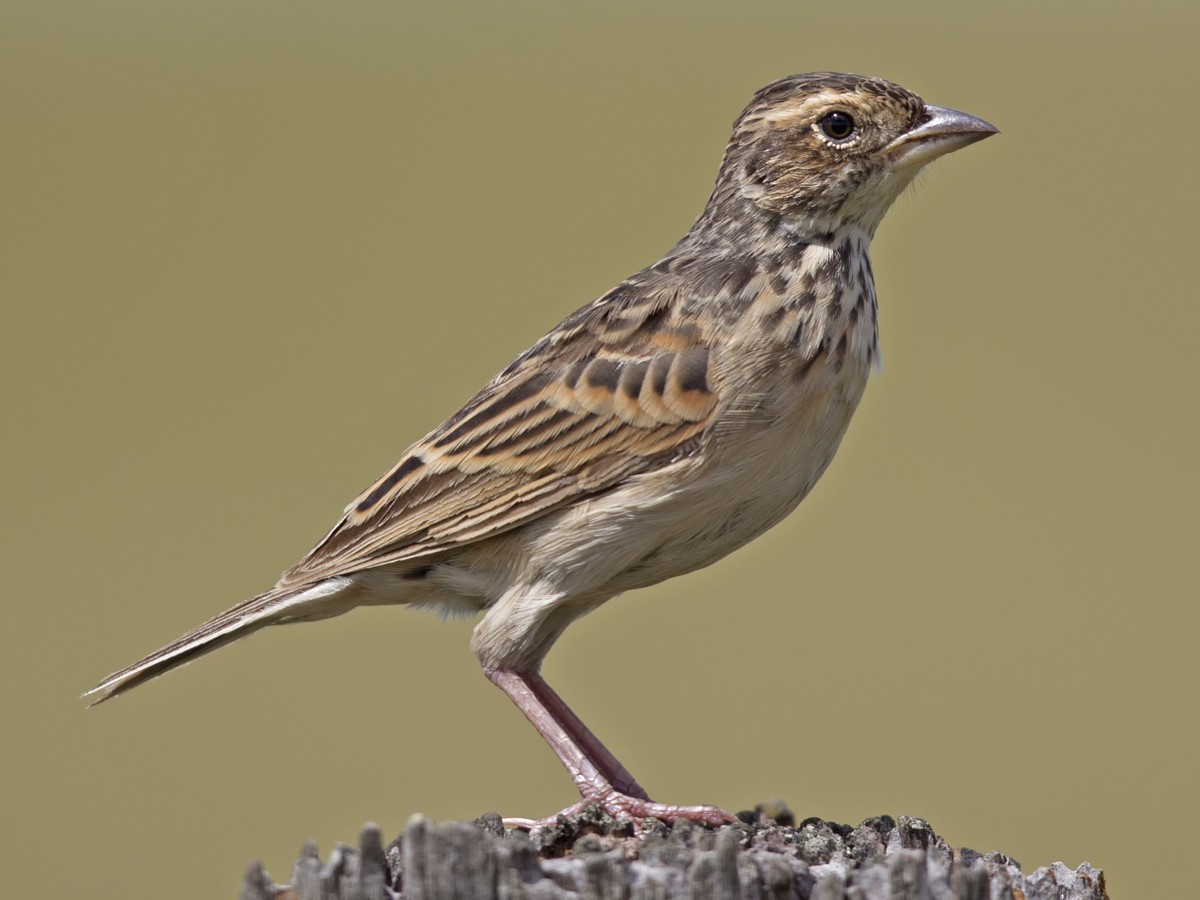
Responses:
[627,390]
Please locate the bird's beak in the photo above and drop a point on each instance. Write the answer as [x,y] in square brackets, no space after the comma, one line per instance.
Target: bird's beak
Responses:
[943,131]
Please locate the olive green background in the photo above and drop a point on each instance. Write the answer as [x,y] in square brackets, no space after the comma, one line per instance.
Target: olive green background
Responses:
[251,250]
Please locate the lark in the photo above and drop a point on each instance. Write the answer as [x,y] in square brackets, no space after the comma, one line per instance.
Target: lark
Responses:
[651,432]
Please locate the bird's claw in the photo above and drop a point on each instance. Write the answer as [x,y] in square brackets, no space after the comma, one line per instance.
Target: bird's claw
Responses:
[622,806]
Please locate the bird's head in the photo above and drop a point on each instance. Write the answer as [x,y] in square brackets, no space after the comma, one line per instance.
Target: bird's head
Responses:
[827,150]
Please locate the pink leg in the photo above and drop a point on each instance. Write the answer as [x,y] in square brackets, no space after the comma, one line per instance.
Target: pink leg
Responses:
[607,764]
[599,777]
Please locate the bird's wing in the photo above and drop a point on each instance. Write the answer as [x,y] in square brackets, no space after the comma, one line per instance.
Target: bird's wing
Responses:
[618,388]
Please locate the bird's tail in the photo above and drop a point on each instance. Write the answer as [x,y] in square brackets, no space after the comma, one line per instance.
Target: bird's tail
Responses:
[278,605]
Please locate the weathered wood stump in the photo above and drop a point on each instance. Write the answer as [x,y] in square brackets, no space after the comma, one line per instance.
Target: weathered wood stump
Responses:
[765,857]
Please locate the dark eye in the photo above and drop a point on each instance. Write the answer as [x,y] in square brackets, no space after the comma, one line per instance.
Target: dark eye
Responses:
[837,126]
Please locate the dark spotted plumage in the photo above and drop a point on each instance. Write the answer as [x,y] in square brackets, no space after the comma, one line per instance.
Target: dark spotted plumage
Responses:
[653,430]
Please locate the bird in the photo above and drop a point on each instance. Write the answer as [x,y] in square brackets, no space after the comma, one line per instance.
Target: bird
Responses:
[651,432]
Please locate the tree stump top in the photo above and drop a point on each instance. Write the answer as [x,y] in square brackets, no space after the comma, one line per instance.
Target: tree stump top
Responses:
[766,856]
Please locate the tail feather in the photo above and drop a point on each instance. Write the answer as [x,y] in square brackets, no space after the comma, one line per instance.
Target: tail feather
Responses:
[274,606]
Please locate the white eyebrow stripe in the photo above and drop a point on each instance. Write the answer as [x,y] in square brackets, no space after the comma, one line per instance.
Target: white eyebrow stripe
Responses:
[803,110]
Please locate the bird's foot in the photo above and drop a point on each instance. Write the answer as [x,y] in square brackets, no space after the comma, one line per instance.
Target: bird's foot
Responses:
[623,806]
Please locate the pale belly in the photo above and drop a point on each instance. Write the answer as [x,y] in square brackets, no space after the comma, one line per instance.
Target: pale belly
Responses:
[758,463]
[757,481]
[754,472]
[657,525]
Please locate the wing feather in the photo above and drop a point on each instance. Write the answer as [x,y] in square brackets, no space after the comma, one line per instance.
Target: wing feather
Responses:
[616,390]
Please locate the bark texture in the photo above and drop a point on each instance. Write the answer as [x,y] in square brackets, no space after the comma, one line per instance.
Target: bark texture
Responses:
[765,857]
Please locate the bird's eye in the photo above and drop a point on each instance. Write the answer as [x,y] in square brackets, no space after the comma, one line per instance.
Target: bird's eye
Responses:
[837,126]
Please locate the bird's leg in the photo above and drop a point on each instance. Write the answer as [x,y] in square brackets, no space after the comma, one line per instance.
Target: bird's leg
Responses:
[599,777]
[600,756]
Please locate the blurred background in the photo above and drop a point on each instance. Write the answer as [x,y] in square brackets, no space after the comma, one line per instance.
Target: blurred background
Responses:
[252,250]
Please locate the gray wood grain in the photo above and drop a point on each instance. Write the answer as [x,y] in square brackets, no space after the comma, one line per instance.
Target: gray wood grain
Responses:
[592,857]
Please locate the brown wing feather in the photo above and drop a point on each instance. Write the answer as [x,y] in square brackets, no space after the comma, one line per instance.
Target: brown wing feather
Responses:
[627,391]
